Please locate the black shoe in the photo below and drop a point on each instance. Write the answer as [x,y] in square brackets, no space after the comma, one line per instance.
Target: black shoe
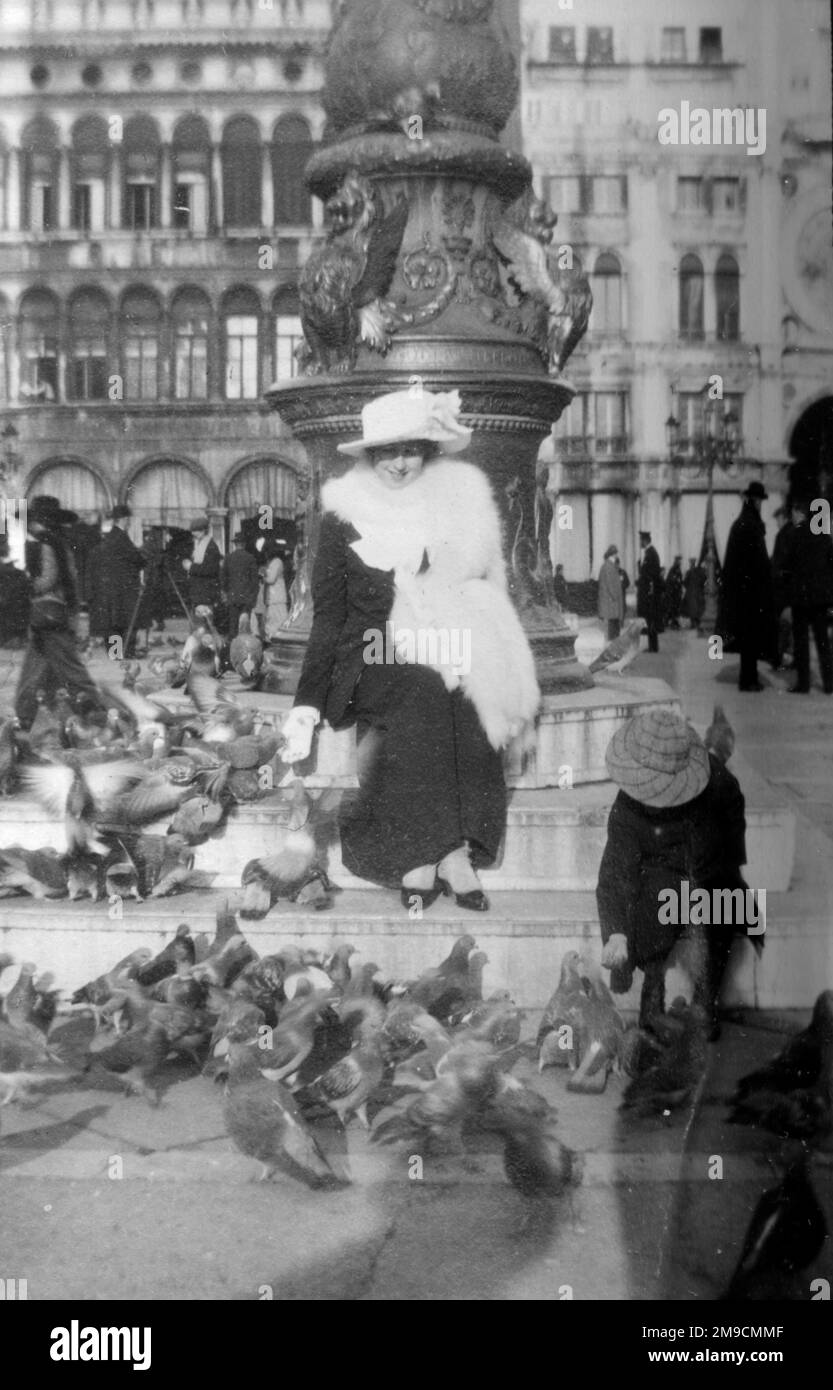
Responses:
[755,686]
[475,900]
[425,896]
[799,690]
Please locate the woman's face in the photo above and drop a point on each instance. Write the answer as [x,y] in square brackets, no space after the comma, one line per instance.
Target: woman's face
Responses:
[397,465]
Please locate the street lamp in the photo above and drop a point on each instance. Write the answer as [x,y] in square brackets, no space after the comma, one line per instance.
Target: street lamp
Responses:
[717,445]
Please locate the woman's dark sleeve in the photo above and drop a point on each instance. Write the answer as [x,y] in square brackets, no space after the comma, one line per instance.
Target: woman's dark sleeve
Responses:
[329,600]
[617,891]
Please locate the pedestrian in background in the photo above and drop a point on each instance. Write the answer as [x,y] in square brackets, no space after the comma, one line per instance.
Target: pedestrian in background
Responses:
[203,567]
[14,600]
[649,589]
[674,593]
[611,599]
[559,584]
[116,565]
[808,566]
[275,604]
[154,601]
[694,586]
[241,582]
[51,659]
[748,616]
[781,582]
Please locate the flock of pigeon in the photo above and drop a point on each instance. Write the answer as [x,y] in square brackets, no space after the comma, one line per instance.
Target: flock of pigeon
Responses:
[109,770]
[304,1045]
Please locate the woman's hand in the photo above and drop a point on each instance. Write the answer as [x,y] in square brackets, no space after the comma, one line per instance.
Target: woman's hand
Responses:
[297,730]
[615,952]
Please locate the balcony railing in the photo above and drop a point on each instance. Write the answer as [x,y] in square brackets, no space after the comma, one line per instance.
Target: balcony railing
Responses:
[579,446]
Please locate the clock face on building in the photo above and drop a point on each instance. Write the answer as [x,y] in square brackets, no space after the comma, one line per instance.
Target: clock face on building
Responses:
[814,267]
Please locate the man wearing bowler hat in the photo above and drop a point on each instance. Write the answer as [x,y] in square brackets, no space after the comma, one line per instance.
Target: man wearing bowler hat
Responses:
[748,601]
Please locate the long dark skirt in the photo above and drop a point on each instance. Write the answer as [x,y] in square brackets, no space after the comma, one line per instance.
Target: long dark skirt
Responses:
[428,777]
[51,661]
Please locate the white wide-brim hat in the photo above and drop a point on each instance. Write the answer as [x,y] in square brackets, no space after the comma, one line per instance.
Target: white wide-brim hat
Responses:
[407,415]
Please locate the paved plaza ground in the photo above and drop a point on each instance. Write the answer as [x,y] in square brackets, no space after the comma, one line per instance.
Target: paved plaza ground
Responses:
[179,1217]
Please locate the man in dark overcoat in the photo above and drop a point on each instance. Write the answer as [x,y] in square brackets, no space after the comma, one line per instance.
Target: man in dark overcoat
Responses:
[649,590]
[240,581]
[204,566]
[748,602]
[116,564]
[808,568]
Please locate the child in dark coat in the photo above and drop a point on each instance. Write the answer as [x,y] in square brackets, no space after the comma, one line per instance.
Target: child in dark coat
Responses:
[679,818]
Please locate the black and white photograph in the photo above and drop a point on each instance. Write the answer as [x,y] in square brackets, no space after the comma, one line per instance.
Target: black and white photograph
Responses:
[416,591]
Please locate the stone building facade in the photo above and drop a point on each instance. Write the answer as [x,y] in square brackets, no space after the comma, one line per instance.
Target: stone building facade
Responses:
[153,217]
[705,260]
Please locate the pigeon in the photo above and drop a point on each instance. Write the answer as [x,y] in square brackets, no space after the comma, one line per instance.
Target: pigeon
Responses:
[264,1121]
[280,875]
[669,1082]
[719,737]
[80,794]
[597,1038]
[25,1062]
[8,755]
[20,999]
[293,1039]
[560,1018]
[135,1058]
[246,653]
[180,949]
[84,875]
[99,990]
[619,653]
[337,966]
[467,1081]
[39,872]
[535,1161]
[347,1086]
[792,1095]
[785,1235]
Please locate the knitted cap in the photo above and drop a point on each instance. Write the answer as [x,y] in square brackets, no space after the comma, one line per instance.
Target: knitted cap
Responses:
[658,759]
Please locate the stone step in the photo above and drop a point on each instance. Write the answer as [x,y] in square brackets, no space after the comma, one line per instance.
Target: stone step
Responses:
[554,838]
[572,734]
[525,936]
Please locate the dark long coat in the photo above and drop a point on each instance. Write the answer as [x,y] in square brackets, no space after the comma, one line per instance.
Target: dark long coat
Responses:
[649,588]
[428,776]
[649,850]
[748,602]
[204,578]
[113,583]
[807,568]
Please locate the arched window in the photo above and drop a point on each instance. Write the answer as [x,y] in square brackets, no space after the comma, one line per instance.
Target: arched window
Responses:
[241,323]
[292,146]
[79,489]
[141,147]
[607,295]
[39,145]
[691,297]
[190,314]
[89,335]
[167,492]
[241,173]
[90,162]
[727,296]
[191,167]
[38,336]
[264,481]
[139,328]
[288,333]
